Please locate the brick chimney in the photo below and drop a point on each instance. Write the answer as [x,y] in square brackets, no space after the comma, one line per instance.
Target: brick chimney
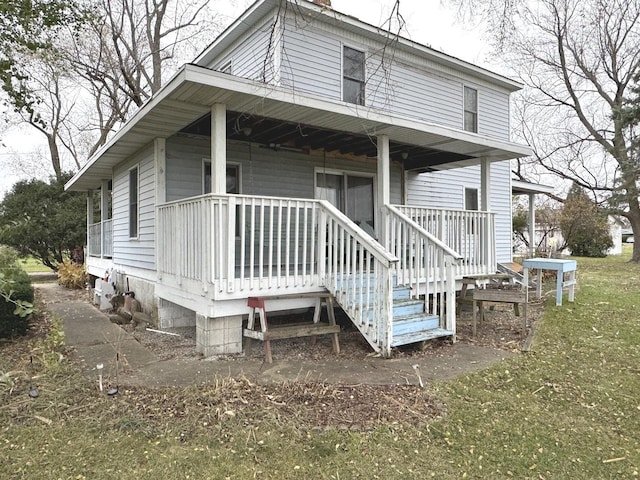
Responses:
[323,3]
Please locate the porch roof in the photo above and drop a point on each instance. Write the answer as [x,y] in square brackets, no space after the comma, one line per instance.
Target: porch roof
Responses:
[519,187]
[193,90]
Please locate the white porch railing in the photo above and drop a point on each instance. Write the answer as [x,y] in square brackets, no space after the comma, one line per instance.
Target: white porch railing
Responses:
[426,265]
[239,244]
[358,272]
[469,233]
[100,242]
[235,246]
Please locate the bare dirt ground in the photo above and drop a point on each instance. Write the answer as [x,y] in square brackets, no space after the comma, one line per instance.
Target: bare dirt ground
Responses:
[502,329]
[306,404]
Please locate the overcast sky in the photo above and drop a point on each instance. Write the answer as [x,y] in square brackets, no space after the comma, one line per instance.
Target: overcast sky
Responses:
[428,22]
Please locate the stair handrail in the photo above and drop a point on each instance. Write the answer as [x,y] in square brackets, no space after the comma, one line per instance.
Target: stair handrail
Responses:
[347,274]
[375,248]
[444,282]
[432,238]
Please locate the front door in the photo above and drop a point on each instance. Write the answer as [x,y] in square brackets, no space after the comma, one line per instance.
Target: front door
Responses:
[351,194]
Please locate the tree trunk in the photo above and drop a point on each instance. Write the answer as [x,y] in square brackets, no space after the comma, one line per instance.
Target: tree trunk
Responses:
[634,219]
[55,156]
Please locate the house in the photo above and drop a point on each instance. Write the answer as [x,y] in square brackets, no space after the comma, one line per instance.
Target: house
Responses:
[306,152]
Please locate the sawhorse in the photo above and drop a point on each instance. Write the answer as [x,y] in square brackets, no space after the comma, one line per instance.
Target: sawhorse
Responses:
[297,330]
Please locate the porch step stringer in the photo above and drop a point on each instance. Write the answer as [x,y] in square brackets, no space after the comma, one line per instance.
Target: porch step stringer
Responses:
[410,322]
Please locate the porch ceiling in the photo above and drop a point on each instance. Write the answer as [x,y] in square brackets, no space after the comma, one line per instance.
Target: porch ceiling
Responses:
[300,120]
[281,135]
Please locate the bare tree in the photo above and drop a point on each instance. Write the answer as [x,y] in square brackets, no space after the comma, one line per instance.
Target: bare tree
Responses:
[84,85]
[578,59]
[51,83]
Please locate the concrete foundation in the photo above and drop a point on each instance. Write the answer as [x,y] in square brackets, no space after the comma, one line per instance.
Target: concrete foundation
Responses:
[221,335]
[144,291]
[171,315]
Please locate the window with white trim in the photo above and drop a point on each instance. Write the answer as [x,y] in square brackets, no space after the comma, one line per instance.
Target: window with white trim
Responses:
[133,202]
[470,109]
[470,198]
[352,75]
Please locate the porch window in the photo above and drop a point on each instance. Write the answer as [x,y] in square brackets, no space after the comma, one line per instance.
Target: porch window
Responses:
[352,76]
[470,109]
[133,202]
[233,178]
[471,198]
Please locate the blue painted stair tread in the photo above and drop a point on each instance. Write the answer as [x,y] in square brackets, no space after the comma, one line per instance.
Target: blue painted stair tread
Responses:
[411,323]
[420,336]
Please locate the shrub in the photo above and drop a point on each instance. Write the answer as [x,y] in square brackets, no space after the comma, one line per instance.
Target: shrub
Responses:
[16,296]
[584,228]
[72,275]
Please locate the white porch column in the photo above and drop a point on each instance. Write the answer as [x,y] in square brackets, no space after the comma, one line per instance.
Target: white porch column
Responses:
[384,187]
[485,189]
[488,240]
[104,211]
[89,220]
[532,224]
[219,148]
[160,164]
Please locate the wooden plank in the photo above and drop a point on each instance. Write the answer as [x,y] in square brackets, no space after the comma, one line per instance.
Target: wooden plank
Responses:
[292,331]
[501,296]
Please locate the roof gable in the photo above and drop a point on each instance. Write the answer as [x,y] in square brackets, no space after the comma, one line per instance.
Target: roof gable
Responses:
[317,13]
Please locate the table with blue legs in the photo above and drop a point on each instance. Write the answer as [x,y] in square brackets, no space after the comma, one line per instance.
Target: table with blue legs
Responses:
[561,267]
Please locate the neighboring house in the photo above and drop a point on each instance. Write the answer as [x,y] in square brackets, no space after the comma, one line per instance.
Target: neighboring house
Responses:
[305,151]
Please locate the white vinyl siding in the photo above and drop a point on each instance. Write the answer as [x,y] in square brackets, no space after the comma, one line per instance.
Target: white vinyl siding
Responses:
[311,63]
[263,171]
[135,252]
[408,91]
[445,189]
[253,57]
[493,116]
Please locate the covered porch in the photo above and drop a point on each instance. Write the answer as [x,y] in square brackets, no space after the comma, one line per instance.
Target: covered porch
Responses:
[220,247]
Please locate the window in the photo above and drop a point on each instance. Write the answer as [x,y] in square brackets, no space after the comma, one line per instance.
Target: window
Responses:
[233,178]
[352,76]
[351,194]
[471,199]
[470,109]
[133,202]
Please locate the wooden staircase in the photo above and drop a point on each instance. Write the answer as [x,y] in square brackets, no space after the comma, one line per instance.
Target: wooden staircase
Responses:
[410,322]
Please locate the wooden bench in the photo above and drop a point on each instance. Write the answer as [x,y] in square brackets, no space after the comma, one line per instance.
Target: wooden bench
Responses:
[496,295]
[477,281]
[296,330]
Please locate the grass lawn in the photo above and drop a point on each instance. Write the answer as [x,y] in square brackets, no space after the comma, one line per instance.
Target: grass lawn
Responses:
[570,408]
[31,265]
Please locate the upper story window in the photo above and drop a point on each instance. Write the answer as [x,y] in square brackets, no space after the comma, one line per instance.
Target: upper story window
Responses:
[133,202]
[352,76]
[470,109]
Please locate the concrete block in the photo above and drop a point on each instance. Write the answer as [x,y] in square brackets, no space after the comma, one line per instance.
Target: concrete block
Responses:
[216,336]
[171,315]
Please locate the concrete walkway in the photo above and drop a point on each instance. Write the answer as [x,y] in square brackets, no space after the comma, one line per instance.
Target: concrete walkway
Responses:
[94,339]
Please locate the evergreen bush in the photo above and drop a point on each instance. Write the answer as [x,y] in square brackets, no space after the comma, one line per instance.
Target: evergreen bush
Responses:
[16,296]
